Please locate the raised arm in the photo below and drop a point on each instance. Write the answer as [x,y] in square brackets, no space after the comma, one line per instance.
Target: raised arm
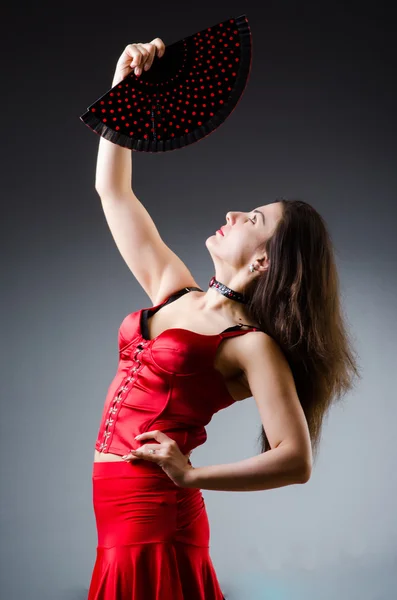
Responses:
[156,267]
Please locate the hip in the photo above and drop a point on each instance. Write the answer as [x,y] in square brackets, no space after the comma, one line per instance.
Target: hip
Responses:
[138,502]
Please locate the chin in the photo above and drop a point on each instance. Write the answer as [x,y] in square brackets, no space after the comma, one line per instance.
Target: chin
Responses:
[208,244]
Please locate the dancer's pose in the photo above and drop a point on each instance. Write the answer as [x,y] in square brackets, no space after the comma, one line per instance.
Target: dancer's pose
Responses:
[269,326]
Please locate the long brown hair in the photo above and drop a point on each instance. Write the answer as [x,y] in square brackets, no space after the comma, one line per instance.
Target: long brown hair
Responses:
[297,302]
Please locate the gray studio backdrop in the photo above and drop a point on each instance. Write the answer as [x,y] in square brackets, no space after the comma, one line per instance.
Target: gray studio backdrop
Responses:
[316,122]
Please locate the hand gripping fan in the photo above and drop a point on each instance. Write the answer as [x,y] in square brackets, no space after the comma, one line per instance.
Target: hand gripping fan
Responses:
[183,97]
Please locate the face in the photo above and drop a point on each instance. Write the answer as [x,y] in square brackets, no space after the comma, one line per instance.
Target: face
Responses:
[243,235]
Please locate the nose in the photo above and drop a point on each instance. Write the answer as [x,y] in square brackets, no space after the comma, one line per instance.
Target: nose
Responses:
[232,216]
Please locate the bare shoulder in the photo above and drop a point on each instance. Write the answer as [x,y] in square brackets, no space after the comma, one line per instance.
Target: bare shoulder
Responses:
[258,351]
[259,340]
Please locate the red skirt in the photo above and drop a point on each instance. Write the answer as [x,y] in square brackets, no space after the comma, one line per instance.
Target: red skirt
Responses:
[153,536]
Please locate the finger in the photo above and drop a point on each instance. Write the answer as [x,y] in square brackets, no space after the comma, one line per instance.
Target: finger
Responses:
[136,455]
[159,436]
[160,46]
[129,457]
[151,48]
[134,52]
[145,54]
[145,450]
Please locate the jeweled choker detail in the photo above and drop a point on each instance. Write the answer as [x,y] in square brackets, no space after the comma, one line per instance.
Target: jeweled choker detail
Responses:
[226,291]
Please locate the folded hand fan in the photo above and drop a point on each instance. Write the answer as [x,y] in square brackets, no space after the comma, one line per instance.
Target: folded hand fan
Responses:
[183,97]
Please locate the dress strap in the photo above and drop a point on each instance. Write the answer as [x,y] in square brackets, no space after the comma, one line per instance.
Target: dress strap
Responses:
[181,292]
[238,329]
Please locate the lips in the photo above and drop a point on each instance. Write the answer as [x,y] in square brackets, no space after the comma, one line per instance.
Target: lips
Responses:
[221,231]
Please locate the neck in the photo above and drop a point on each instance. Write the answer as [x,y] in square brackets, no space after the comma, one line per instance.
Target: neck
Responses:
[212,301]
[215,300]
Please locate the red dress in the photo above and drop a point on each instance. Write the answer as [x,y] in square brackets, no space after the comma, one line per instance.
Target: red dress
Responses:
[153,536]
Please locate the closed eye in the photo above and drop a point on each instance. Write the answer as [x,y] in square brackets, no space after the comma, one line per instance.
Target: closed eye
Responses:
[253,220]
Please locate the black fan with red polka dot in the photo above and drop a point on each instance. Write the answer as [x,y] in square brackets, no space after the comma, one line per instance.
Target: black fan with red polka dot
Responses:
[183,97]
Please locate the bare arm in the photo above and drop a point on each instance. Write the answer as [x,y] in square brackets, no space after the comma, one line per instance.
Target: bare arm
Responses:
[114,163]
[289,461]
[155,266]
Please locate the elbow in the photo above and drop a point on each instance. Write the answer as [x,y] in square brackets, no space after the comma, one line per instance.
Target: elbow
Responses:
[299,465]
[304,472]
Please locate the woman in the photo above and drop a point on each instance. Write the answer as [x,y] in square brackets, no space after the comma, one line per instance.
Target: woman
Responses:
[269,326]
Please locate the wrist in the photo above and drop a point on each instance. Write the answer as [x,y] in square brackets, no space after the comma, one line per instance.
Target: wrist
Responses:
[190,477]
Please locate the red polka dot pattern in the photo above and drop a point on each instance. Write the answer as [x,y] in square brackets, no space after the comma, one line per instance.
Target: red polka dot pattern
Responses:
[183,97]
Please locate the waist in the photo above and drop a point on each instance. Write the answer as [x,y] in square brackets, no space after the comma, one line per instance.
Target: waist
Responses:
[106,457]
[118,438]
[134,470]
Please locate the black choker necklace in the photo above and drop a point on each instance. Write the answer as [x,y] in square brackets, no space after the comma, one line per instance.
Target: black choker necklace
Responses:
[226,291]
